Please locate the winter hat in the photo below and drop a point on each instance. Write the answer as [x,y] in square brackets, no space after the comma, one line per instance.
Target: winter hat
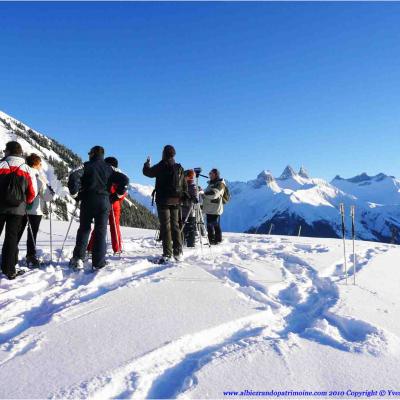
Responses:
[216,172]
[168,152]
[112,161]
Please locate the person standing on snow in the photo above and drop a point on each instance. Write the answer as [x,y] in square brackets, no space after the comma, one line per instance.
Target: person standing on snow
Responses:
[91,184]
[115,215]
[170,189]
[34,211]
[17,189]
[214,197]
[189,229]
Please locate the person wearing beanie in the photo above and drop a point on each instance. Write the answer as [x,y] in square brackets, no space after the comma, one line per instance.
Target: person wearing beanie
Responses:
[189,229]
[170,190]
[90,184]
[114,216]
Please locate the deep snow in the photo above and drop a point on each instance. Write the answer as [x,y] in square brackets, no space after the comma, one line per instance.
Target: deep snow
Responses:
[258,312]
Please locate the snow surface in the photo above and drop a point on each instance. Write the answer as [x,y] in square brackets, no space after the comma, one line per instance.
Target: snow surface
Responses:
[257,312]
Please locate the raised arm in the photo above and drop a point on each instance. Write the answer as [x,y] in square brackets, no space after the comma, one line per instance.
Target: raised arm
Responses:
[151,172]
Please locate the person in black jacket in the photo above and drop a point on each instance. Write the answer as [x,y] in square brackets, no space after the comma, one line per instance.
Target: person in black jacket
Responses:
[170,189]
[91,185]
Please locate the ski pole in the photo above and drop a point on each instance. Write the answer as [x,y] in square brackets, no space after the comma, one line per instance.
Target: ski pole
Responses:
[30,230]
[69,228]
[344,239]
[130,204]
[51,233]
[270,228]
[353,234]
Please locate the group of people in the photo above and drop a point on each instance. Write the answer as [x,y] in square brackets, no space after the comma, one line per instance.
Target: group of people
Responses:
[176,193]
[24,190]
[99,187]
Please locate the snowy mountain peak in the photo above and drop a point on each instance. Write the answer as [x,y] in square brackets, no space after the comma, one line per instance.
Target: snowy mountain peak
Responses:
[303,173]
[288,173]
[265,176]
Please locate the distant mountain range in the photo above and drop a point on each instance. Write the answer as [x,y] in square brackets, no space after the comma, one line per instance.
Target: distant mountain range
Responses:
[295,199]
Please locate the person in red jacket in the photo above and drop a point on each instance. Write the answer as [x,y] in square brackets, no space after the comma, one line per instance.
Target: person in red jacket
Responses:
[115,215]
[13,169]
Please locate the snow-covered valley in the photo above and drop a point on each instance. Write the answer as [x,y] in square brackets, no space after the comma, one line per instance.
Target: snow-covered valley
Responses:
[258,312]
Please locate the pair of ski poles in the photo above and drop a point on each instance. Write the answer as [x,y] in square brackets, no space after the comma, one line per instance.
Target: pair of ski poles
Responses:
[353,234]
[69,228]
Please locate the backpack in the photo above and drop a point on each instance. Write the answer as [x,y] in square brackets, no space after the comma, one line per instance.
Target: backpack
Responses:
[226,196]
[14,194]
[177,181]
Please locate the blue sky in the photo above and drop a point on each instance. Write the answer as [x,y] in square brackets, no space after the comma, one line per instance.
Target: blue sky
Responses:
[239,86]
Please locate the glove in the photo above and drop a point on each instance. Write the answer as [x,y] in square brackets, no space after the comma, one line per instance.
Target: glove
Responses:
[51,190]
[113,198]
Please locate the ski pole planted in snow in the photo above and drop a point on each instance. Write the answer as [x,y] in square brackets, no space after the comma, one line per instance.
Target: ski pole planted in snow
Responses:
[353,235]
[51,232]
[270,229]
[344,239]
[69,228]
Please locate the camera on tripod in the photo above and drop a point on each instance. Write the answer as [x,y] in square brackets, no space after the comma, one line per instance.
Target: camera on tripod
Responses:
[197,171]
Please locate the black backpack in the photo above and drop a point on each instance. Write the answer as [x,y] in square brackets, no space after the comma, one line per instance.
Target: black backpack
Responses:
[13,192]
[177,177]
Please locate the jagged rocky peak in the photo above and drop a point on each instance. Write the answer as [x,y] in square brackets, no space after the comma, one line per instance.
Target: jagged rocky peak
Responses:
[303,173]
[265,176]
[263,179]
[288,173]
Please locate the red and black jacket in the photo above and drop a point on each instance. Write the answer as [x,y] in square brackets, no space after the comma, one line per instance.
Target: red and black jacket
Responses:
[28,182]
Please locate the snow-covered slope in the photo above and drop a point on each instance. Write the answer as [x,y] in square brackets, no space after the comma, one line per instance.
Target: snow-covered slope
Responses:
[58,161]
[142,194]
[257,313]
[295,199]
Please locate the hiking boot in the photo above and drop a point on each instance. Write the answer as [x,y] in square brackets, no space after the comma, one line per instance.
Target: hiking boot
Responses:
[76,263]
[32,262]
[15,274]
[96,268]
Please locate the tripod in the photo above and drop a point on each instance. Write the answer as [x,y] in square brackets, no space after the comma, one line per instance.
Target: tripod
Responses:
[199,224]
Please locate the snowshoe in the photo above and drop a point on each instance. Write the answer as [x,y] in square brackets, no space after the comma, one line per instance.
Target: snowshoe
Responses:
[32,262]
[76,263]
[163,260]
[18,272]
